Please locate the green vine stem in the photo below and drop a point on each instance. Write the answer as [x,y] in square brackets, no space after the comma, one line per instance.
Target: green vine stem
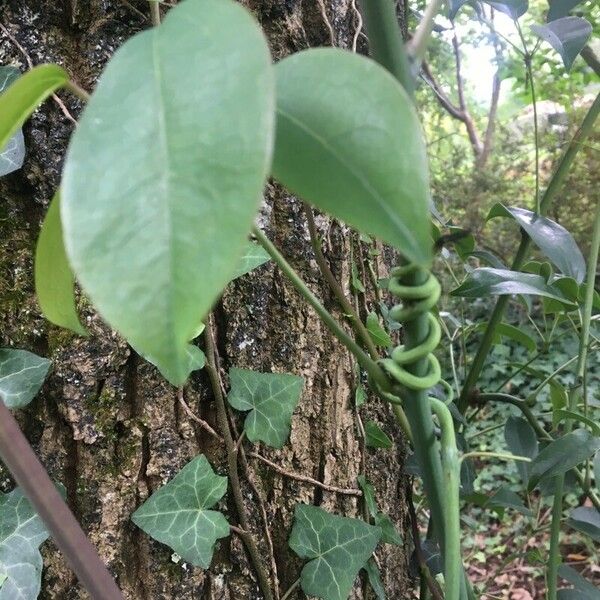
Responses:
[547,198]
[451,470]
[232,462]
[30,475]
[557,507]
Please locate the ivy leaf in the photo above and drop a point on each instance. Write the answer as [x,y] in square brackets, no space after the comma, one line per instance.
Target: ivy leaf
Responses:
[366,167]
[567,36]
[550,237]
[54,281]
[254,256]
[378,334]
[177,514]
[21,376]
[156,219]
[25,95]
[372,571]
[521,441]
[337,546]
[587,520]
[389,533]
[271,399]
[21,534]
[486,281]
[375,437]
[561,8]
[513,8]
[563,454]
[13,154]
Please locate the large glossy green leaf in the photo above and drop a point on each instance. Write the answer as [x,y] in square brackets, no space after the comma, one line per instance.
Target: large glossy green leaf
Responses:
[165,173]
[54,281]
[563,454]
[13,153]
[178,513]
[497,282]
[21,376]
[587,520]
[567,36]
[21,534]
[271,399]
[552,239]
[561,8]
[521,441]
[348,140]
[25,95]
[338,547]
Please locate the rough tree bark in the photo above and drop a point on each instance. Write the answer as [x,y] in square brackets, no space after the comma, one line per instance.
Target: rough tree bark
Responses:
[106,424]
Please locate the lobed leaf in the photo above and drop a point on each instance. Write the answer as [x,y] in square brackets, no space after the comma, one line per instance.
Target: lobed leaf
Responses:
[21,534]
[338,547]
[271,399]
[21,376]
[177,514]
[348,140]
[165,172]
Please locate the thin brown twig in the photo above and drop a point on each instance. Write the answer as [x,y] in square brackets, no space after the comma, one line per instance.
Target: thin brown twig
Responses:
[305,478]
[192,415]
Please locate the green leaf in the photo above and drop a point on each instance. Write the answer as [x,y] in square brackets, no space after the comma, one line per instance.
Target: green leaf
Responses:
[560,8]
[521,441]
[254,256]
[589,591]
[177,514]
[21,376]
[360,396]
[587,520]
[366,167]
[597,469]
[513,8]
[563,454]
[368,493]
[25,95]
[337,546]
[165,172]
[497,282]
[375,437]
[372,571]
[578,417]
[558,399]
[512,332]
[21,534]
[491,259]
[54,281]
[378,334]
[506,498]
[271,399]
[454,6]
[567,36]
[550,237]
[12,154]
[389,533]
[357,284]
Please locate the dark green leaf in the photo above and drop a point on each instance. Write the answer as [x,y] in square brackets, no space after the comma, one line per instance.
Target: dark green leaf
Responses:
[21,376]
[563,454]
[514,333]
[579,418]
[389,533]
[54,281]
[13,154]
[25,95]
[567,36]
[164,174]
[521,441]
[550,237]
[497,282]
[597,469]
[21,534]
[490,259]
[369,494]
[378,334]
[271,399]
[587,520]
[360,396]
[454,6]
[561,8]
[177,514]
[366,167]
[558,399]
[513,8]
[337,546]
[372,571]
[254,256]
[581,584]
[506,498]
[375,437]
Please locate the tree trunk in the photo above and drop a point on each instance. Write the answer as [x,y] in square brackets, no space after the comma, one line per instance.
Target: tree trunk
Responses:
[106,424]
